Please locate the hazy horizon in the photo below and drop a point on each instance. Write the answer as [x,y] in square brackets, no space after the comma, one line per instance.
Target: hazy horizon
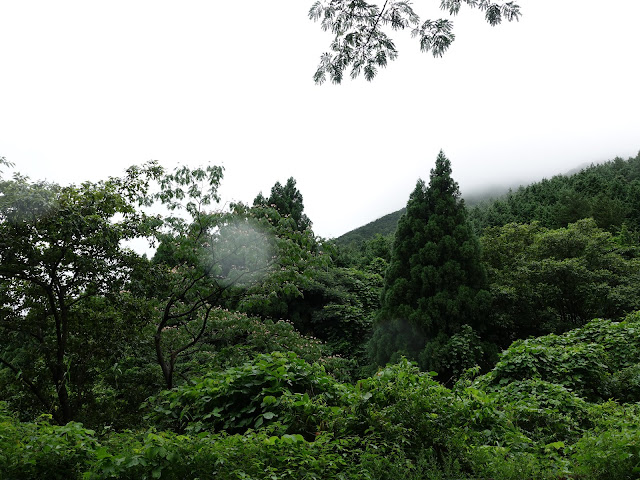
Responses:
[89,89]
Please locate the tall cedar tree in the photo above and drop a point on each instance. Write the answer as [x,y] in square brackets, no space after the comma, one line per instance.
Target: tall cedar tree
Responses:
[434,295]
[287,200]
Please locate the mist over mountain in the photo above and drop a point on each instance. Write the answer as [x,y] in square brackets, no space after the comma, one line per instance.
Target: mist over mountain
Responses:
[479,199]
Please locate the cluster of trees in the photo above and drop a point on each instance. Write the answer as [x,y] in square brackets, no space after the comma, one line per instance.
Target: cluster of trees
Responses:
[609,193]
[84,318]
[244,328]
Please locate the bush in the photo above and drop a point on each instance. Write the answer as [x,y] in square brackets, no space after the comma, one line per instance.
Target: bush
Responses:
[234,338]
[597,361]
[613,453]
[545,412]
[41,450]
[279,387]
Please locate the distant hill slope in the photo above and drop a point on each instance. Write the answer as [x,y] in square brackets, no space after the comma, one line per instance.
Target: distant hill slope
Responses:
[384,226]
[608,192]
[387,224]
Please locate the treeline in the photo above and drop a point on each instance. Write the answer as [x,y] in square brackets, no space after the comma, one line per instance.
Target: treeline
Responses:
[609,193]
[247,347]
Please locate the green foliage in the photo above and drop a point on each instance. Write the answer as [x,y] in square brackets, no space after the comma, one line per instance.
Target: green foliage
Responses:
[287,200]
[272,388]
[590,361]
[545,412]
[42,450]
[250,259]
[333,304]
[608,192]
[199,260]
[338,306]
[546,281]
[297,422]
[435,282]
[235,338]
[577,366]
[406,408]
[296,255]
[254,398]
[254,456]
[61,261]
[455,354]
[384,226]
[612,449]
[361,41]
[502,463]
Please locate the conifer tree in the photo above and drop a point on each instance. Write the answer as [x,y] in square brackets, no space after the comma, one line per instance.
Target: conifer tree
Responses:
[434,295]
[287,200]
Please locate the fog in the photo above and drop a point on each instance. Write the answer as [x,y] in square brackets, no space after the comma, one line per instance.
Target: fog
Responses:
[89,89]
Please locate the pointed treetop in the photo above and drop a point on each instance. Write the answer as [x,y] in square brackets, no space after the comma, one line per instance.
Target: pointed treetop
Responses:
[440,180]
[287,200]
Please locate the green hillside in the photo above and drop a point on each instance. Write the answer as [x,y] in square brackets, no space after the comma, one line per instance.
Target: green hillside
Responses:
[384,226]
[608,192]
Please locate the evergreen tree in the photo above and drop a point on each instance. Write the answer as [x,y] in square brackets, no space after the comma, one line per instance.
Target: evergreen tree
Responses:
[434,295]
[287,200]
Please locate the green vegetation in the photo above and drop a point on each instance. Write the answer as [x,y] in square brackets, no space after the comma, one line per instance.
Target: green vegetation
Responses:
[361,39]
[434,299]
[249,348]
[384,226]
[608,193]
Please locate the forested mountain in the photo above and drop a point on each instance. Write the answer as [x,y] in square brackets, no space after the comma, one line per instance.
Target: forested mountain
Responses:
[248,347]
[385,226]
[608,192]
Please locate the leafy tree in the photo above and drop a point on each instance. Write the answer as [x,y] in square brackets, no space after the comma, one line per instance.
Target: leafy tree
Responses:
[294,255]
[338,307]
[435,283]
[60,259]
[331,303]
[361,41]
[206,259]
[552,280]
[253,259]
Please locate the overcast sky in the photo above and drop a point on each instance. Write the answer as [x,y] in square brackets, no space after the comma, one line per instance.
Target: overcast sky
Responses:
[88,88]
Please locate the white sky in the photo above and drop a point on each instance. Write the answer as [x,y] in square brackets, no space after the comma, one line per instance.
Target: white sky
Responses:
[88,88]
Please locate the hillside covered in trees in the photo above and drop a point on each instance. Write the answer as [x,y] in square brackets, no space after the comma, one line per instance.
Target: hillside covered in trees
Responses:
[608,192]
[499,341]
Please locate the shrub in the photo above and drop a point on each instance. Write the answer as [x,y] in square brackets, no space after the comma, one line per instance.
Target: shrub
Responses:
[42,450]
[597,361]
[545,412]
[272,388]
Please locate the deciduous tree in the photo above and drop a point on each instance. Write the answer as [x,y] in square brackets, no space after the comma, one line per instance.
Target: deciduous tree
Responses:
[60,250]
[361,41]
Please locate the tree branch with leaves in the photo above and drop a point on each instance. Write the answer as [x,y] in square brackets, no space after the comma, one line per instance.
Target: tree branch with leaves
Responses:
[361,41]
